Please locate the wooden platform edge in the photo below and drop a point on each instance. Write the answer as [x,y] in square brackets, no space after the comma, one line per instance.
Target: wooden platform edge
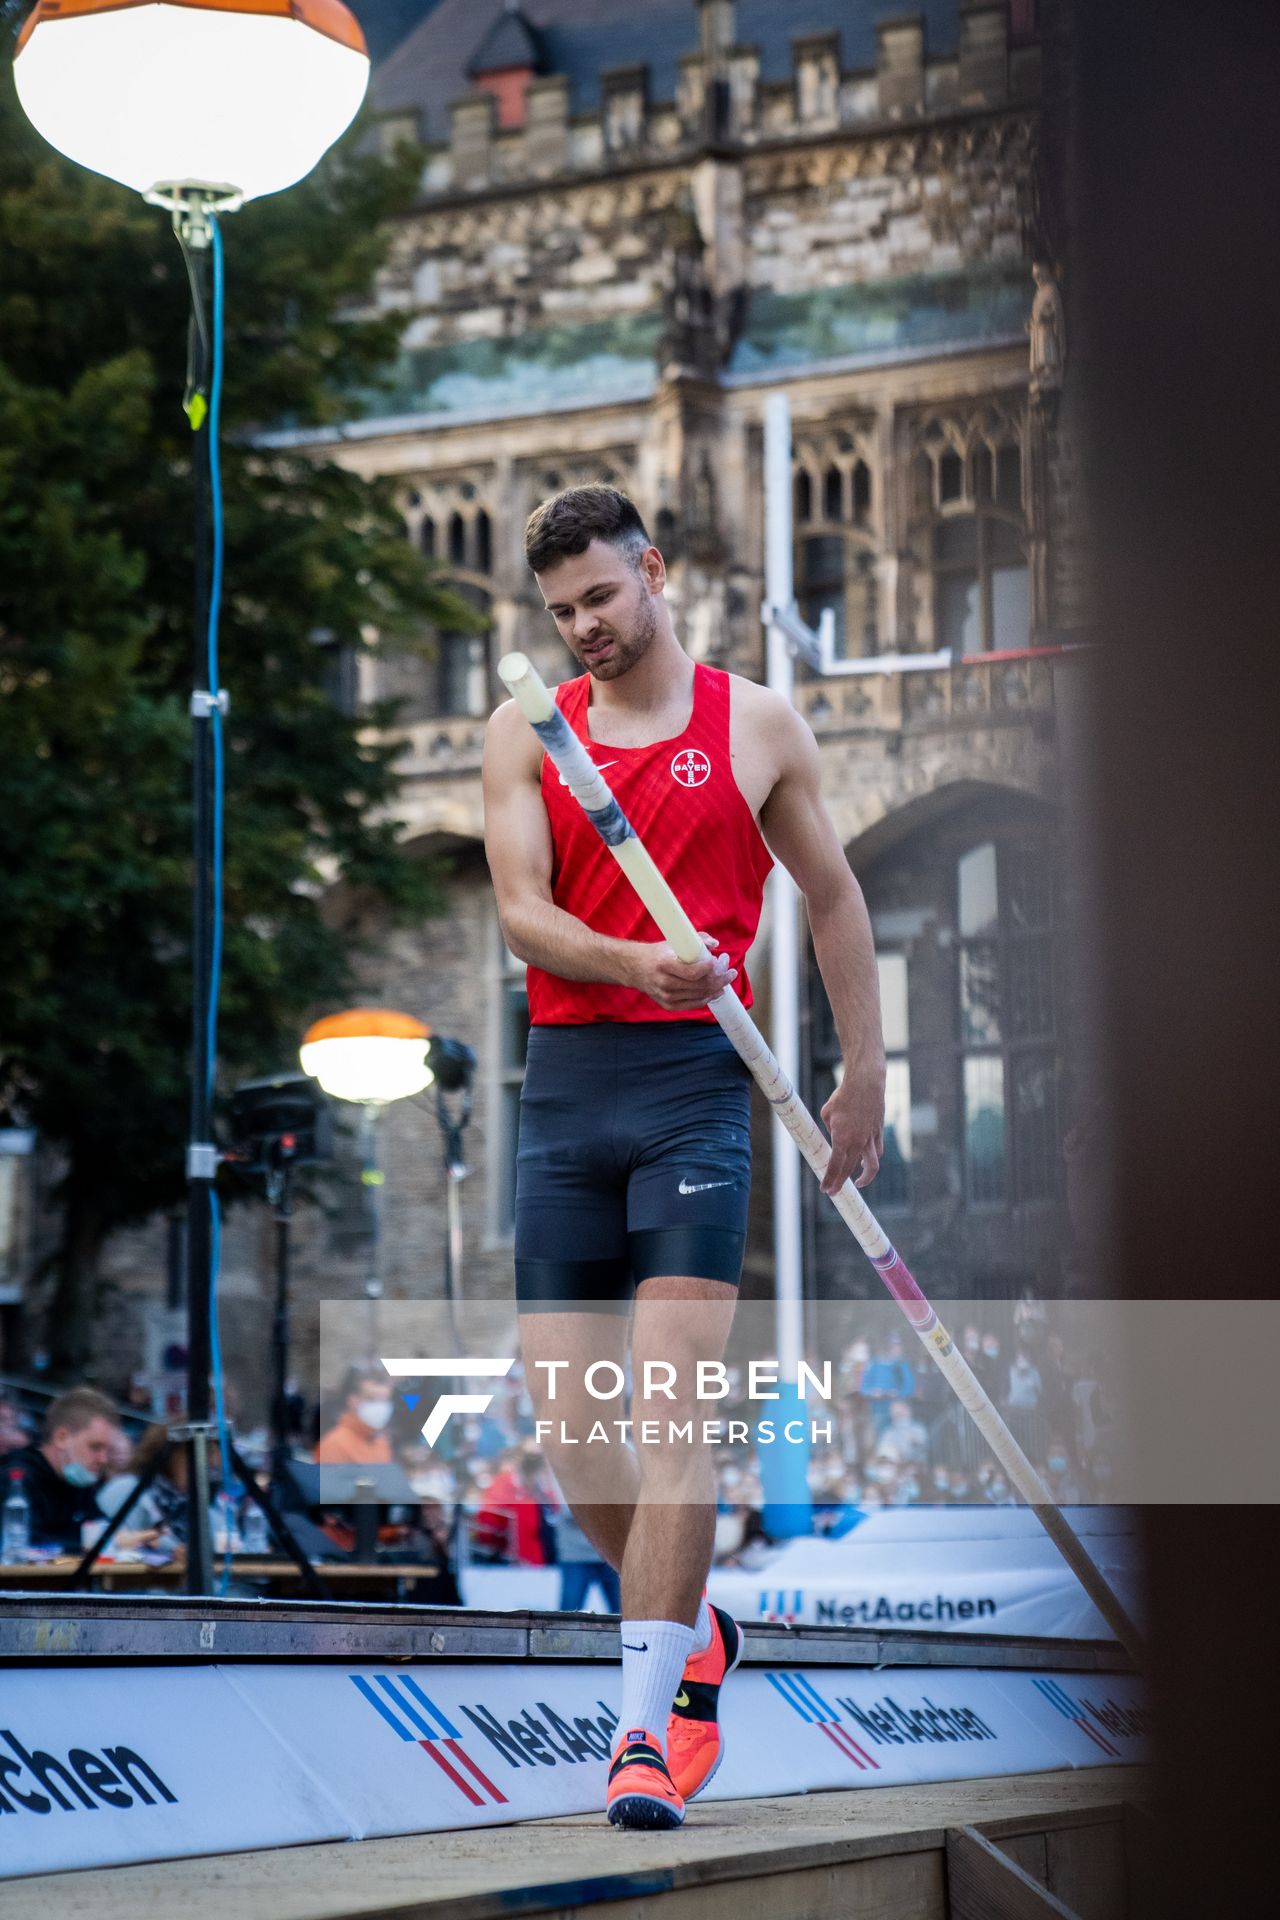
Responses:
[129,1629]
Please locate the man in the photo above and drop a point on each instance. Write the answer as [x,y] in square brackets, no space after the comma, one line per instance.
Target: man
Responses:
[509,1524]
[905,1441]
[358,1437]
[61,1474]
[634,1157]
[582,1567]
[887,1378]
[1022,1394]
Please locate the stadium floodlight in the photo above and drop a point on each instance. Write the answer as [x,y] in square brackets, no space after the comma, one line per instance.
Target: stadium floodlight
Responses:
[235,97]
[368,1055]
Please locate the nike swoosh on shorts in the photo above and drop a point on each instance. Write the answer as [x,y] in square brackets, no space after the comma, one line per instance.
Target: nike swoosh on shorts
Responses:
[704,1187]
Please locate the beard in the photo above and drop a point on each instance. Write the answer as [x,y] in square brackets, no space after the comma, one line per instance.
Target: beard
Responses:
[629,644]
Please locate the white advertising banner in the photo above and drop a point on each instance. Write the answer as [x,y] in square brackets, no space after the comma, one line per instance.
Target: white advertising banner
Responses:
[514,1589]
[951,1571]
[417,1750]
[99,1767]
[793,1729]
[103,1765]
[1101,1719]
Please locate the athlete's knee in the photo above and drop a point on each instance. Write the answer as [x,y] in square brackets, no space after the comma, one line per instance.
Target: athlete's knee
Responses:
[674,1462]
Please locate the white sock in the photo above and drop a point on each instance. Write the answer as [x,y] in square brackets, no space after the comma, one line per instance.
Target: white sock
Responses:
[702,1627]
[653,1657]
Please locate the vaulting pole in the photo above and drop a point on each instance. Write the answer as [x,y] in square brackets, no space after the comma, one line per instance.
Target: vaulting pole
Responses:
[590,789]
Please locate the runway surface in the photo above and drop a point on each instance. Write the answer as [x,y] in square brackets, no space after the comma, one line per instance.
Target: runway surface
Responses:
[879,1852]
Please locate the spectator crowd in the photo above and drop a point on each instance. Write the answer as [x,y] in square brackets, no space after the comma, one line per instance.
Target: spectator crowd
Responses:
[484,1494]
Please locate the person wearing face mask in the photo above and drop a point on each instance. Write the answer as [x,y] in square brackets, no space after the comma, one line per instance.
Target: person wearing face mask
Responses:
[359,1437]
[1059,1475]
[61,1472]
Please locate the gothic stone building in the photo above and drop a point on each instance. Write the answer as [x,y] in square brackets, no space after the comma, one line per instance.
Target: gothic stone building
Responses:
[635,225]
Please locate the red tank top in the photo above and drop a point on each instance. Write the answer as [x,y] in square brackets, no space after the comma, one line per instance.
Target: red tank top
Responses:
[683,801]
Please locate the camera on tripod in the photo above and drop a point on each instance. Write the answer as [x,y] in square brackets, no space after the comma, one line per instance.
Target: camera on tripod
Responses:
[278,1122]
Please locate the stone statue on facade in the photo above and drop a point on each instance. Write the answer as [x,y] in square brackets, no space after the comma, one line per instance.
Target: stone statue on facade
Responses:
[690,342]
[1047,328]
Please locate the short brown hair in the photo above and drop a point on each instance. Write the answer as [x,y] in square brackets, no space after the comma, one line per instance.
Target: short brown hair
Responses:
[78,1408]
[156,1443]
[569,521]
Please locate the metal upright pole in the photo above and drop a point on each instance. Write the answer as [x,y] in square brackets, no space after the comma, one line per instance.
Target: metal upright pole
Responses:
[282,1213]
[784,945]
[202,1157]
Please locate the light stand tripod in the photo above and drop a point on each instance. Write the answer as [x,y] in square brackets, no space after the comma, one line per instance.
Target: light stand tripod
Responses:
[283,1126]
[196,232]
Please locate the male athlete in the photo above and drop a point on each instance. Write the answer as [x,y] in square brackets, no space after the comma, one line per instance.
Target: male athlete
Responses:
[634,1160]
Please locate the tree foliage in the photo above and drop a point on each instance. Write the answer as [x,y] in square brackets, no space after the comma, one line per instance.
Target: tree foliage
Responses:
[96,573]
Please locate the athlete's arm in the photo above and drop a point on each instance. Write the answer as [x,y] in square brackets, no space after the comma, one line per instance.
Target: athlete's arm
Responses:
[800,833]
[517,838]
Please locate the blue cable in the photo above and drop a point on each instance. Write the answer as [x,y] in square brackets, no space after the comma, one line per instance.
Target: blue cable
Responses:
[218,808]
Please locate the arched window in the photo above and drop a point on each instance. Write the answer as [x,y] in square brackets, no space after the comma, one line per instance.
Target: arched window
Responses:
[822,580]
[427,536]
[1004,918]
[981,583]
[835,566]
[1009,479]
[982,601]
[983,471]
[963,910]
[484,542]
[457,540]
[804,497]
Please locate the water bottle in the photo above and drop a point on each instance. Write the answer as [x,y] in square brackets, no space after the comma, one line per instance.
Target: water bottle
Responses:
[255,1537]
[15,1523]
[225,1537]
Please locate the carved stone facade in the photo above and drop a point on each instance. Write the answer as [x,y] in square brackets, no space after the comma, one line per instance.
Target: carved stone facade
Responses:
[612,296]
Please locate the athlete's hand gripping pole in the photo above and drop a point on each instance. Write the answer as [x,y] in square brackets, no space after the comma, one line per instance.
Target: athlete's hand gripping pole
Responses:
[590,789]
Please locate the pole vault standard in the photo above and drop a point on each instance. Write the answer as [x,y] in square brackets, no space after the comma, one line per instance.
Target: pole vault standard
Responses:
[590,789]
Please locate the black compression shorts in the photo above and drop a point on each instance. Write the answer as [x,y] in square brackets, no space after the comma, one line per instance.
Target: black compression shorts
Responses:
[634,1160]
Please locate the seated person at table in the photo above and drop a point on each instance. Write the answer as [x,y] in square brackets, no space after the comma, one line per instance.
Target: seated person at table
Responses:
[358,1437]
[13,1435]
[162,1509]
[62,1472]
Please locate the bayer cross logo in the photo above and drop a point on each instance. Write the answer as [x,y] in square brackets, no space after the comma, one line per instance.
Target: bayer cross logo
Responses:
[691,767]
[427,1368]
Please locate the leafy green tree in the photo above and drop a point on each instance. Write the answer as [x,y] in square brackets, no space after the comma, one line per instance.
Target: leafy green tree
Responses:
[96,572]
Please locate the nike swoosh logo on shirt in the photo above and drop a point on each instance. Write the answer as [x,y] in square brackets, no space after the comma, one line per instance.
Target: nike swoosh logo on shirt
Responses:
[704,1187]
[599,766]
